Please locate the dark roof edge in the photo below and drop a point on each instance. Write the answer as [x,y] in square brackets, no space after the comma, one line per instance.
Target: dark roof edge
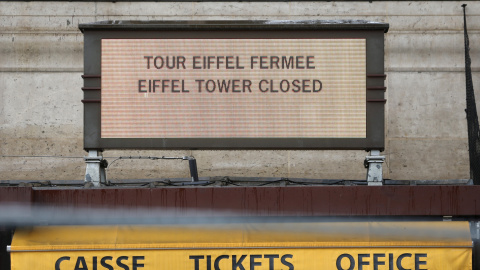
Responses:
[237,25]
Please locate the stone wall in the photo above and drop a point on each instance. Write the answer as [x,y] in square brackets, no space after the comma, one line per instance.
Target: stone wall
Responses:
[41,116]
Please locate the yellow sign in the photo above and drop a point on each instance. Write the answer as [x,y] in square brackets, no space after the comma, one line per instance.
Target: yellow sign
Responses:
[250,259]
[233,88]
[302,246]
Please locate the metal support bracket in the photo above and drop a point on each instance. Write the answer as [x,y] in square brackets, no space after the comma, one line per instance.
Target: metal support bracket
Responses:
[95,172]
[373,163]
[192,163]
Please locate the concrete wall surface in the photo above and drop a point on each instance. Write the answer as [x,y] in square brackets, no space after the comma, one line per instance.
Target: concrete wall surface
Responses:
[41,116]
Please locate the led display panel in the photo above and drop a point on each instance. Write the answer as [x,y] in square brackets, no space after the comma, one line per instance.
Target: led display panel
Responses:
[233,88]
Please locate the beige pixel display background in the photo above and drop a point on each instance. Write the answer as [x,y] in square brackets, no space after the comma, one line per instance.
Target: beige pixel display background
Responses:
[258,108]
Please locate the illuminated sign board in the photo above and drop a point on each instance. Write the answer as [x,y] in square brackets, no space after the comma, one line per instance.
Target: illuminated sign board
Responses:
[246,88]
[256,86]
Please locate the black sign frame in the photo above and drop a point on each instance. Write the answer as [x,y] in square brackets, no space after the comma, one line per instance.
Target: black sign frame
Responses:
[375,89]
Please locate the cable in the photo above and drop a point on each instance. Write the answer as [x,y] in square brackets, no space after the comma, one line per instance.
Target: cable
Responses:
[19,156]
[147,157]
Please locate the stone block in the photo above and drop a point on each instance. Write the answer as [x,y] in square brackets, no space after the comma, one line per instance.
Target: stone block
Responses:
[41,52]
[242,163]
[343,165]
[426,105]
[433,159]
[41,99]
